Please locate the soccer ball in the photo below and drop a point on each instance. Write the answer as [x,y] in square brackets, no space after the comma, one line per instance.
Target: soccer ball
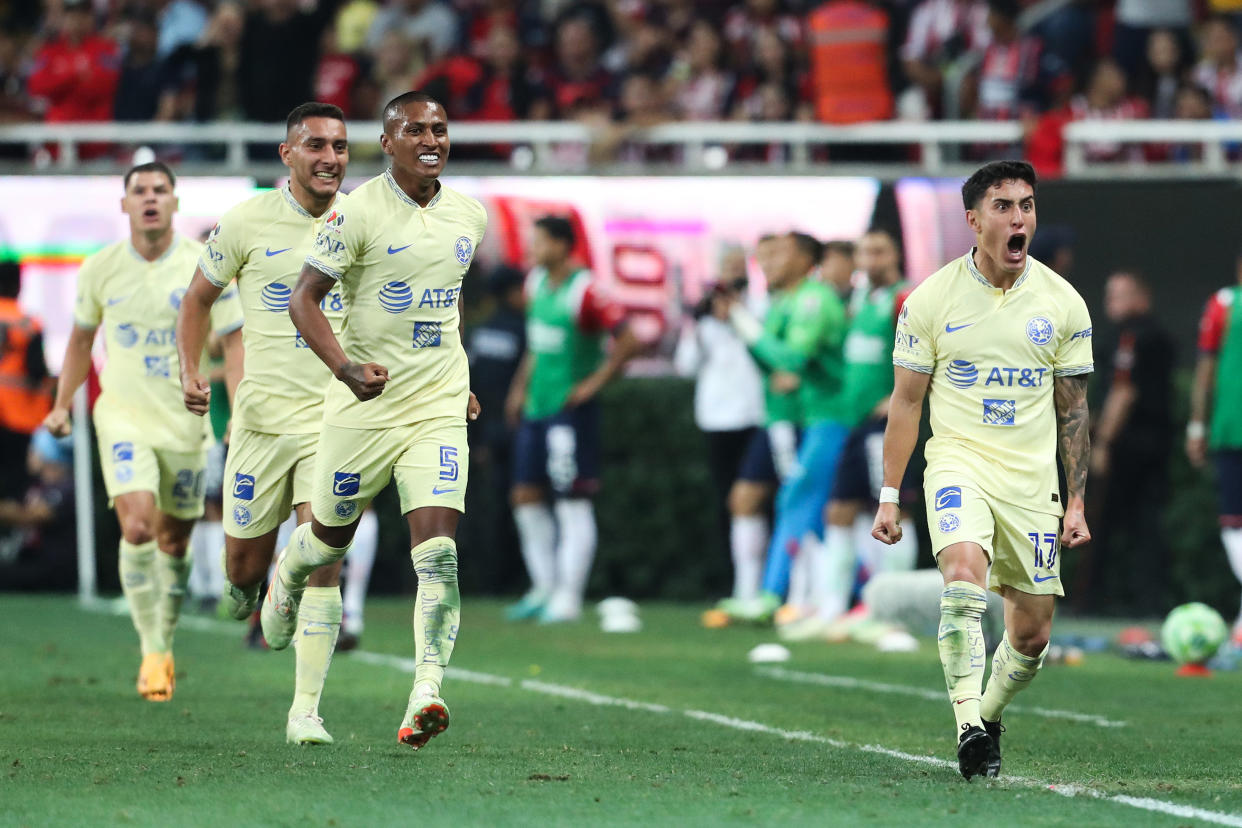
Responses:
[1193,633]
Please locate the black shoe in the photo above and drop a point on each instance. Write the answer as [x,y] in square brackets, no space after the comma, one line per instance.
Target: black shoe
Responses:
[994,729]
[347,641]
[974,747]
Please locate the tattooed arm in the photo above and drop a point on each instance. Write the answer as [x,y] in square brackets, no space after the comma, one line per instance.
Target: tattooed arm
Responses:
[1070,398]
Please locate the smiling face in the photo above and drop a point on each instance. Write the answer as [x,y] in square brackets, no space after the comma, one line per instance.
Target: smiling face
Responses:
[149,202]
[1004,222]
[316,152]
[416,136]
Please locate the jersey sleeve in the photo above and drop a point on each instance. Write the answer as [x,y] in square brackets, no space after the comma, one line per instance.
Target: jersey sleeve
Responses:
[88,307]
[223,255]
[1073,356]
[915,345]
[597,312]
[226,312]
[338,242]
[1213,323]
[816,321]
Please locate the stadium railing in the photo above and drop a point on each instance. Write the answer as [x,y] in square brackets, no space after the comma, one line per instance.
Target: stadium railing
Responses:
[888,149]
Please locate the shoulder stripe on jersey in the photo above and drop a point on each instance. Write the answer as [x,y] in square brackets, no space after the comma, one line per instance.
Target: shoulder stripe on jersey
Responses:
[922,369]
[1074,371]
[330,272]
[202,268]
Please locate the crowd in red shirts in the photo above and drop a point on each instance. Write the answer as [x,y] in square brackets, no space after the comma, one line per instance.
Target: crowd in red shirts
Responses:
[622,64]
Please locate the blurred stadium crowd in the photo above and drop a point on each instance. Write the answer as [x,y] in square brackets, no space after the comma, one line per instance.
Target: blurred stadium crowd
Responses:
[619,64]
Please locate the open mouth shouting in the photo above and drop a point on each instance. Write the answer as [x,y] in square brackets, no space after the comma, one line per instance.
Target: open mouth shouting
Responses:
[1015,249]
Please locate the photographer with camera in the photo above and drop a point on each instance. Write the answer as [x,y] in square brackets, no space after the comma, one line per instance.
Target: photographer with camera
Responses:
[728,391]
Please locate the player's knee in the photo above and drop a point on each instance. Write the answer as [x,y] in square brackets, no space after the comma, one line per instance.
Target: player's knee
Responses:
[137,529]
[327,576]
[1030,642]
[841,512]
[522,495]
[745,499]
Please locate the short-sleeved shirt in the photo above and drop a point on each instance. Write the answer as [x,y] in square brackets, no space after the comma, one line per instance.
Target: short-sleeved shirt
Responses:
[136,302]
[993,356]
[400,267]
[262,243]
[1219,338]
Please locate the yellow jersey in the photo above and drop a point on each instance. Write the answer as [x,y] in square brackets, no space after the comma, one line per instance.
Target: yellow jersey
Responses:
[262,243]
[136,302]
[400,268]
[993,356]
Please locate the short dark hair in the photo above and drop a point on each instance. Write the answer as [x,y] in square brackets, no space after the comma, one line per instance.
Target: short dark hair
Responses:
[991,174]
[312,109]
[808,246]
[559,228]
[1134,275]
[1008,9]
[392,109]
[151,166]
[10,278]
[840,247]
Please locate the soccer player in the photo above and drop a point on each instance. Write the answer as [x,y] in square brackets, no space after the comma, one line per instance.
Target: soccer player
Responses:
[261,243]
[1004,345]
[557,443]
[1216,414]
[807,360]
[153,451]
[868,382]
[397,251]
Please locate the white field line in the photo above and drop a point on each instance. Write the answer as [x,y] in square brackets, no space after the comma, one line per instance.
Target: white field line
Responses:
[406,665]
[851,683]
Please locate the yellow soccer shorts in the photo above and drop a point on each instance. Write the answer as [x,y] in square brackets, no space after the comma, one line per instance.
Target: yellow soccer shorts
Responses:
[174,477]
[265,475]
[1023,545]
[429,460]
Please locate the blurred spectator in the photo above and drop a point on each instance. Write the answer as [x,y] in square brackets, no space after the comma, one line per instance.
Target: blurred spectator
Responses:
[1105,98]
[338,74]
[1162,74]
[728,391]
[25,389]
[207,73]
[643,103]
[699,86]
[1193,103]
[772,64]
[836,268]
[1136,19]
[507,89]
[940,32]
[744,21]
[1220,69]
[1130,449]
[1013,79]
[353,23]
[430,21]
[75,73]
[578,74]
[279,52]
[38,548]
[645,45]
[143,75]
[13,104]
[849,62]
[481,16]
[398,60]
[181,22]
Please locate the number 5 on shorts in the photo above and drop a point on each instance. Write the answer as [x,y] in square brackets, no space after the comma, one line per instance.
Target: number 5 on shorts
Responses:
[448,463]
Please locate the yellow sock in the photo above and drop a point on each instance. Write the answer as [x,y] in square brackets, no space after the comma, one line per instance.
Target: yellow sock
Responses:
[140,584]
[319,622]
[437,611]
[171,576]
[1011,673]
[962,652]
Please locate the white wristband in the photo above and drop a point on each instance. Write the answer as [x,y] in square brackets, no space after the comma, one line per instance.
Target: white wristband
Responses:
[1196,430]
[888,494]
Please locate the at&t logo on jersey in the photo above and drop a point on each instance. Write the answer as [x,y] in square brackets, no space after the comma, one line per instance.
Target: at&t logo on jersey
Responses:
[1039,330]
[243,486]
[346,484]
[126,336]
[950,497]
[999,412]
[395,297]
[464,249]
[962,373]
[275,297]
[949,523]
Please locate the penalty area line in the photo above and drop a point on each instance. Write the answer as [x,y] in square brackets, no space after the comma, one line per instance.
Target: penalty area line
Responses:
[407,665]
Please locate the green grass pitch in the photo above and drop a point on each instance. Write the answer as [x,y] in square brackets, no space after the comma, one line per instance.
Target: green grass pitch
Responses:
[570,726]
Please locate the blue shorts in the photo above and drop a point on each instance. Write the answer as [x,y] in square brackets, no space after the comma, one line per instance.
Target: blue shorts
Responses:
[1229,486]
[561,452]
[860,472]
[760,461]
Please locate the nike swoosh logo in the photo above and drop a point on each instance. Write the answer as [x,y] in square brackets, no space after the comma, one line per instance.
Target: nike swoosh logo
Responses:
[112,302]
[438,491]
[272,252]
[392,250]
[951,329]
[1040,580]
